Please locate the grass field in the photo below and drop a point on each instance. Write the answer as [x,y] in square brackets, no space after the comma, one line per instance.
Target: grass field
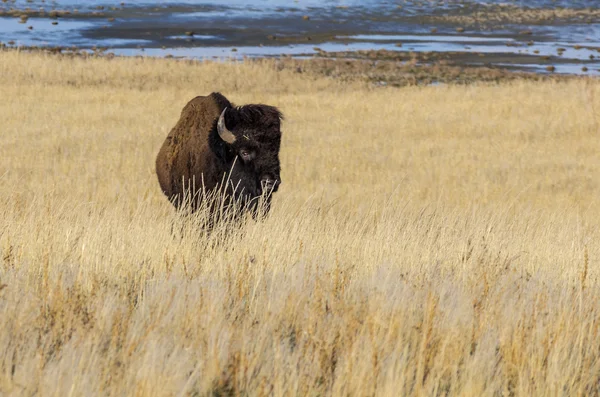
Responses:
[425,241]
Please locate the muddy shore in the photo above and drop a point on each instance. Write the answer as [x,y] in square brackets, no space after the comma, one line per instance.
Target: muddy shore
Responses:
[372,69]
[545,37]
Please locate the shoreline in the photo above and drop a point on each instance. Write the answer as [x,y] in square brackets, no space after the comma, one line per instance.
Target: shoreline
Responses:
[499,36]
[376,69]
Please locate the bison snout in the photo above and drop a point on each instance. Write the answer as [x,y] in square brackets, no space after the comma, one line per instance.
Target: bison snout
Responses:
[269,184]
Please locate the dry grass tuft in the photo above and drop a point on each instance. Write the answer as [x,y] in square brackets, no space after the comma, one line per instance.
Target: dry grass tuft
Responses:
[426,240]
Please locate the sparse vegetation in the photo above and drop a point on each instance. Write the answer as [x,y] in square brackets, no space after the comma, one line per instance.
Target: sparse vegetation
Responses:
[425,240]
[489,15]
[383,67]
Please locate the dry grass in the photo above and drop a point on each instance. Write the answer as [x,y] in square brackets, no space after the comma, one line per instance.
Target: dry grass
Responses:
[426,241]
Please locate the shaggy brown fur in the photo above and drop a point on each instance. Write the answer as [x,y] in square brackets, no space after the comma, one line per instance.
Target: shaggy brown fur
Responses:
[194,160]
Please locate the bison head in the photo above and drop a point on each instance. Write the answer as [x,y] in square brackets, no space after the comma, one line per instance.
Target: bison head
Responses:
[248,144]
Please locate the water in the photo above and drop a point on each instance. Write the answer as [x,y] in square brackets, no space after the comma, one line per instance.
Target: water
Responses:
[269,28]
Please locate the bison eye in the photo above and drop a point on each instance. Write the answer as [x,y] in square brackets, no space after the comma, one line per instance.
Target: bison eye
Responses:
[246,155]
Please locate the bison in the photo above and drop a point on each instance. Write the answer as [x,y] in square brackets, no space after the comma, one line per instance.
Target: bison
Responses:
[224,155]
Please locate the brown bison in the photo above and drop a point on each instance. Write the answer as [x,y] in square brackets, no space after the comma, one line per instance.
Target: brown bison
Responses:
[225,152]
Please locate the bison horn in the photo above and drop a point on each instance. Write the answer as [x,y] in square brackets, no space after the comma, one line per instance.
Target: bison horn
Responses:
[224,133]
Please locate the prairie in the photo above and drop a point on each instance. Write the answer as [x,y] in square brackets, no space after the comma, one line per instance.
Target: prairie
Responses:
[426,240]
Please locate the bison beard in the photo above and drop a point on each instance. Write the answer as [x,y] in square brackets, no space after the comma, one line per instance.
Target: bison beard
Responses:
[221,156]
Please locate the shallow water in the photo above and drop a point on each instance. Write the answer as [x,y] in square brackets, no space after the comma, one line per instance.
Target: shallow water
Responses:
[276,27]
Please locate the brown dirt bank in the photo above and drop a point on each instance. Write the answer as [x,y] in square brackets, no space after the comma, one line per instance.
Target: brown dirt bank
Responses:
[493,15]
[378,68]
[23,14]
[393,73]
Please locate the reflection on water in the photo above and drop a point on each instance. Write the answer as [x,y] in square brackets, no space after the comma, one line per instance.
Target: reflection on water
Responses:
[564,68]
[44,32]
[65,33]
[301,4]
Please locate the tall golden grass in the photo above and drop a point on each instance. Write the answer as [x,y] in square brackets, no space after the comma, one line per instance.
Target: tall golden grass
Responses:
[425,241]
